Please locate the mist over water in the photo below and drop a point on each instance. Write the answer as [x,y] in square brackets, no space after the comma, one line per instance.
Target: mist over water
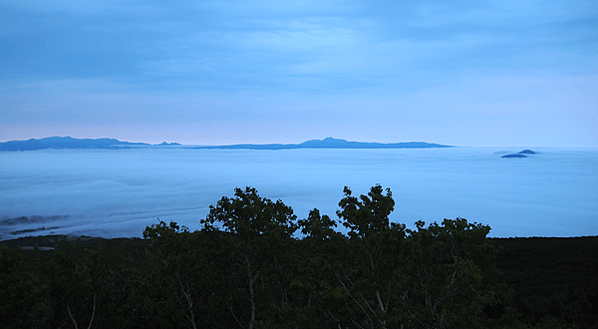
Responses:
[114,193]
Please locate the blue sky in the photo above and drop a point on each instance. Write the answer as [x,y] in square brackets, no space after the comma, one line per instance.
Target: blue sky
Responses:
[481,73]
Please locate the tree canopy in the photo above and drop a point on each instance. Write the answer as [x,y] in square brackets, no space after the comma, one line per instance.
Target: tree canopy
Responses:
[253,264]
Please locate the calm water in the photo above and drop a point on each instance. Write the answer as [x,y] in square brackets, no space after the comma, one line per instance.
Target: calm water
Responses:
[118,192]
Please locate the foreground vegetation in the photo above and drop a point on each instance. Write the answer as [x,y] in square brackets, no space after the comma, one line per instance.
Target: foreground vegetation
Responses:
[254,265]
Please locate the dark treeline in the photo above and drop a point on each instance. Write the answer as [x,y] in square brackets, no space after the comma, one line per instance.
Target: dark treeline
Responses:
[252,264]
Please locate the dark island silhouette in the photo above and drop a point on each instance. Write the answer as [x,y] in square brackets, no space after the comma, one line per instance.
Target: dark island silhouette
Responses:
[168,144]
[327,143]
[522,154]
[110,143]
[66,143]
[60,143]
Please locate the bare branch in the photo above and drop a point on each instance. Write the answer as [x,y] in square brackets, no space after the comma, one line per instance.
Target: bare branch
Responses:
[234,315]
[355,299]
[93,313]
[68,309]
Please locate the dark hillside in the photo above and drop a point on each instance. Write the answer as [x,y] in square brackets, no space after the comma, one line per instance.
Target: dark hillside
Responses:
[552,282]
[552,277]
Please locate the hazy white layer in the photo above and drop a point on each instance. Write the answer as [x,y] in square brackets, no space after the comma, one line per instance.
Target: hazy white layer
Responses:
[118,192]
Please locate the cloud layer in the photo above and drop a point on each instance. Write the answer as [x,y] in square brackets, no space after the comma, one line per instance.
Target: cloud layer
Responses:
[201,72]
[120,192]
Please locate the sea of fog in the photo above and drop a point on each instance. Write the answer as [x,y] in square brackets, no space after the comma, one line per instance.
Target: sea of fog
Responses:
[113,193]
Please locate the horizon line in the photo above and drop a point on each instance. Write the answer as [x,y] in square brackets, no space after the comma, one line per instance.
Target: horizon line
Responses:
[193,144]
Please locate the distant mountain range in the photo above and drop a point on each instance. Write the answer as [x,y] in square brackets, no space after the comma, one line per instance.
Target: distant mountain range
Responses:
[71,143]
[109,143]
[327,143]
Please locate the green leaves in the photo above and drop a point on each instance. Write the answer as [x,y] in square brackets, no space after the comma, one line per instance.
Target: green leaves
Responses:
[249,215]
[317,227]
[367,215]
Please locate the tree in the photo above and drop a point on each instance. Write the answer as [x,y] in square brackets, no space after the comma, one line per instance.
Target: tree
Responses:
[323,302]
[21,291]
[76,286]
[452,271]
[260,230]
[436,277]
[371,275]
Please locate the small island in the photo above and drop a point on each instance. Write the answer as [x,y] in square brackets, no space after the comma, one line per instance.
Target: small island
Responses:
[522,154]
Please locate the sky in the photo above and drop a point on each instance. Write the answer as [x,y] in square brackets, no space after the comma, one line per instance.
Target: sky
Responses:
[471,73]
